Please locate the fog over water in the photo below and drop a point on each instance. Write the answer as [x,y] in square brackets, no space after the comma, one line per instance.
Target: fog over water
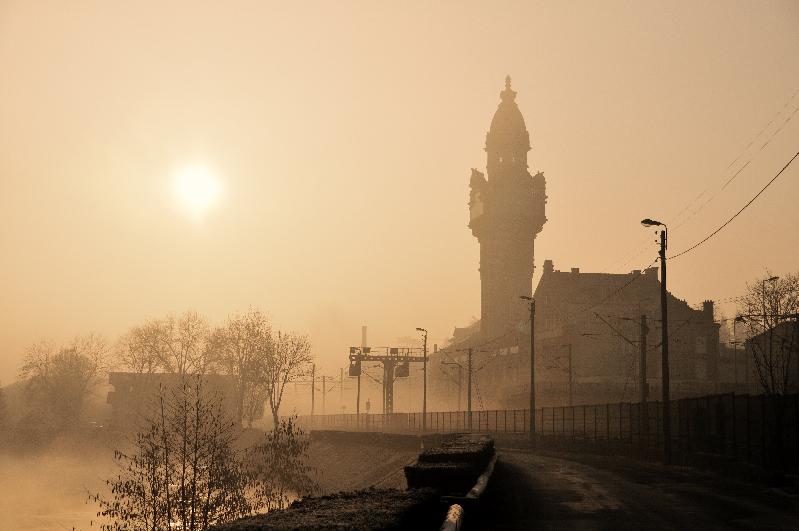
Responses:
[47,490]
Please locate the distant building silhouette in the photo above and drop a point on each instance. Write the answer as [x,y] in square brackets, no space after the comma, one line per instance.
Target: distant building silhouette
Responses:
[506,212]
[135,394]
[605,366]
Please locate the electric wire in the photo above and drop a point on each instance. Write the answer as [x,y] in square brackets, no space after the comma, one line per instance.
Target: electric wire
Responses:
[676,221]
[709,236]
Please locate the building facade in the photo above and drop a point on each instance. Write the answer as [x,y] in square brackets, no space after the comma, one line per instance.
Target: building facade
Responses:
[589,331]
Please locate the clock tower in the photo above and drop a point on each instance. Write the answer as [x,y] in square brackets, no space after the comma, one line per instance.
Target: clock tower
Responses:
[506,212]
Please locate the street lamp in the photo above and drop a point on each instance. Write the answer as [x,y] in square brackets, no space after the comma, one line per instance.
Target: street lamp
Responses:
[532,361]
[664,349]
[763,284]
[738,319]
[424,385]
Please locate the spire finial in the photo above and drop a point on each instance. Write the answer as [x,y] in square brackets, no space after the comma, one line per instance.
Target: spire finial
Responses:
[508,94]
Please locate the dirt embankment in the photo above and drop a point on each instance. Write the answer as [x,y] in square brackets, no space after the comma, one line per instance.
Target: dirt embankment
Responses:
[346,461]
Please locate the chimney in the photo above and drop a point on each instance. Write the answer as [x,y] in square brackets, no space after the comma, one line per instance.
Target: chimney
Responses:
[707,309]
[549,266]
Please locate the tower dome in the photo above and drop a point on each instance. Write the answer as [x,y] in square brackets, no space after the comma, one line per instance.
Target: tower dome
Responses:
[508,132]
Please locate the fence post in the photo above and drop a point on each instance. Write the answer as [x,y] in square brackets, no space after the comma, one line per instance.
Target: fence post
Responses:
[796,422]
[630,422]
[748,430]
[734,431]
[584,424]
[763,429]
[687,424]
[573,411]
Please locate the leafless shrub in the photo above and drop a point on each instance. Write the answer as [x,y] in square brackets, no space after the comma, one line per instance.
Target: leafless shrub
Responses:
[183,470]
[278,466]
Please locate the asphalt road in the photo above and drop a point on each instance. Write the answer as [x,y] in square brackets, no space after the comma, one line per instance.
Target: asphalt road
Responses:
[562,491]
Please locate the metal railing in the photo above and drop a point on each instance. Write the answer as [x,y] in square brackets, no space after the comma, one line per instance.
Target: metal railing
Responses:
[758,429]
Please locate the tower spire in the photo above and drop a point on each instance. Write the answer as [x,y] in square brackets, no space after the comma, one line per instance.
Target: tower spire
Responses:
[508,94]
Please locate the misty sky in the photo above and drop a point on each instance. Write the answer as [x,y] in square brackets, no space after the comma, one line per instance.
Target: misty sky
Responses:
[342,134]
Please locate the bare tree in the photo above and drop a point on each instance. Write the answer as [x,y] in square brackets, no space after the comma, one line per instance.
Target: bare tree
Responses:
[769,310]
[185,346]
[176,344]
[278,466]
[141,349]
[245,349]
[183,471]
[290,360]
[59,382]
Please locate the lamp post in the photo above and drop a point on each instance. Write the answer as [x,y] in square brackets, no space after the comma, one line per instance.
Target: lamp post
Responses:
[765,313]
[738,319]
[664,349]
[766,325]
[424,385]
[532,362]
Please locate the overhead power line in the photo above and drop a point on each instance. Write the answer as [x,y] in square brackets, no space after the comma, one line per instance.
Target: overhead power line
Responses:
[694,246]
[678,219]
[784,108]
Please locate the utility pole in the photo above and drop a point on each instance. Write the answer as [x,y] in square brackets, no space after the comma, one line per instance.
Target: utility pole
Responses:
[664,349]
[358,398]
[313,385]
[460,384]
[469,392]
[664,340]
[738,319]
[424,376]
[341,387]
[324,393]
[571,377]
[532,362]
[643,384]
[460,378]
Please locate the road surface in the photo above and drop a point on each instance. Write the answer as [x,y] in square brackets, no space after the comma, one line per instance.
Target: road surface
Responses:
[562,491]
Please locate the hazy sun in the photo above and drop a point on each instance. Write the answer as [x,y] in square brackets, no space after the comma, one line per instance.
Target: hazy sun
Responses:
[197,189]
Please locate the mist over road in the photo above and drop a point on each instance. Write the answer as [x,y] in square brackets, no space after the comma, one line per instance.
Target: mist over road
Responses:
[533,491]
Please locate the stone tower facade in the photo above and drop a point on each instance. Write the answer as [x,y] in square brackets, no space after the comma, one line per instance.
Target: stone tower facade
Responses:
[506,212]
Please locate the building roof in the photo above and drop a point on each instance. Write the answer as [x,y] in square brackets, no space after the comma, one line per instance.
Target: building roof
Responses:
[641,288]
